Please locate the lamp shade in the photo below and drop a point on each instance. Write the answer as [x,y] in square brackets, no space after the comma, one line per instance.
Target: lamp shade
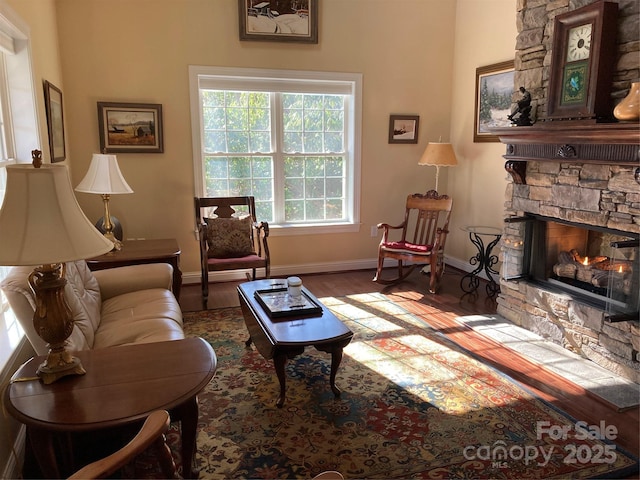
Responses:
[438,154]
[104,177]
[41,221]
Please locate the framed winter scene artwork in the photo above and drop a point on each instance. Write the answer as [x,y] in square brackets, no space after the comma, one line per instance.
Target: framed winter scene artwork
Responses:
[403,128]
[279,20]
[494,93]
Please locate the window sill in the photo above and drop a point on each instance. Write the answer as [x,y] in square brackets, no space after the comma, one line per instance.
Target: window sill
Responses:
[292,230]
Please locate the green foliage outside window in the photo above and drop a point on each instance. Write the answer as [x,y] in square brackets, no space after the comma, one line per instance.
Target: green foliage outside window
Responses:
[239,158]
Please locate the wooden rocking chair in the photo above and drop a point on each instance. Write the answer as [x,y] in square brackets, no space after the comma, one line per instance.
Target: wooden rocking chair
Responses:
[423,236]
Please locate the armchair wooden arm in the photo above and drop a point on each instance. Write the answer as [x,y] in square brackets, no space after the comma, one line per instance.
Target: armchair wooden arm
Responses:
[152,432]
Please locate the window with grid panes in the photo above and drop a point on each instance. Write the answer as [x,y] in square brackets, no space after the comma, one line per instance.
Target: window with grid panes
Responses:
[282,137]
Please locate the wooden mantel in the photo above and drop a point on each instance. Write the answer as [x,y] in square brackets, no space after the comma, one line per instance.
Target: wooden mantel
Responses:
[565,141]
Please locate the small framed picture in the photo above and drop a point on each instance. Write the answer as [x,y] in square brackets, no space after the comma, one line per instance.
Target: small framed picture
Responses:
[130,127]
[55,121]
[494,91]
[403,128]
[291,22]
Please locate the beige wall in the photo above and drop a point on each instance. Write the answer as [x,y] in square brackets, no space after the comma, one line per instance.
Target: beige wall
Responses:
[485,34]
[139,51]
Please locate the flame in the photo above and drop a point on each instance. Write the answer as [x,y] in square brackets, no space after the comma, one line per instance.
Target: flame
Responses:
[620,269]
[585,261]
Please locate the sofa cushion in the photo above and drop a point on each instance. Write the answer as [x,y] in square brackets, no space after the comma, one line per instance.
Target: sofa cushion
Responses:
[145,316]
[82,293]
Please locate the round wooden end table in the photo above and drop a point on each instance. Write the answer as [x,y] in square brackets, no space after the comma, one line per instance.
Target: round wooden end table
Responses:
[123,385]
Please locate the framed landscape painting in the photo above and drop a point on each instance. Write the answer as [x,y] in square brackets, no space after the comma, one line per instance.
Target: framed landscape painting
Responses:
[494,91]
[55,121]
[279,20]
[130,127]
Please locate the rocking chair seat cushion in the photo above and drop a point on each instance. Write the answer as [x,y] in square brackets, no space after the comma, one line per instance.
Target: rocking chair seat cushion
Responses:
[229,237]
[407,247]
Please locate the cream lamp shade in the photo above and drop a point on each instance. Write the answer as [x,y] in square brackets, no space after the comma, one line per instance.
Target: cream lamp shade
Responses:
[41,221]
[104,177]
[439,155]
[41,224]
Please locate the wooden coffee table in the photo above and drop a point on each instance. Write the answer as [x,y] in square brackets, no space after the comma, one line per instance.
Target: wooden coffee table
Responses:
[122,386]
[286,337]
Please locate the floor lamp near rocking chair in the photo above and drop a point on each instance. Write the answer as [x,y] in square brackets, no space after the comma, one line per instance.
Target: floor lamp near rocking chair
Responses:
[42,224]
[438,154]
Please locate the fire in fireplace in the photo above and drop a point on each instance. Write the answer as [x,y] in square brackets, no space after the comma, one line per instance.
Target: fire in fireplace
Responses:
[596,265]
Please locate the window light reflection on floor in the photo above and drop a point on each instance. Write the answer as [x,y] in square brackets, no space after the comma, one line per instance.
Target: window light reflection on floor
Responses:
[410,360]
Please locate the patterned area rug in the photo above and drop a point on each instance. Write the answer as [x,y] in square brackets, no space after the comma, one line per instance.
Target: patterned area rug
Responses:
[414,405]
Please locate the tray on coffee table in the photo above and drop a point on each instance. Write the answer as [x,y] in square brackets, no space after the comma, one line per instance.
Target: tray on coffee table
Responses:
[277,303]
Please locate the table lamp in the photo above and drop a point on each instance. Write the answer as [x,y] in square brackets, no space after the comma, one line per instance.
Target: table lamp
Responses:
[104,178]
[438,155]
[42,224]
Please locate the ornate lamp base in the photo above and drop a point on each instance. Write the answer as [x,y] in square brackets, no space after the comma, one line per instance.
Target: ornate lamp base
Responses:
[54,322]
[57,366]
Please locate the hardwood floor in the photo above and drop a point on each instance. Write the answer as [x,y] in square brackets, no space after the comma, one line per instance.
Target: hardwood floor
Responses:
[440,311]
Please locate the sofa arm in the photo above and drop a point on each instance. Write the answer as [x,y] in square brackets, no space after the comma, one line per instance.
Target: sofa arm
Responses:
[119,280]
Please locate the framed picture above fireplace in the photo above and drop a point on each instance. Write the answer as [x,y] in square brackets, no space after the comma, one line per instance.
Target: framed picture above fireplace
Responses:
[494,91]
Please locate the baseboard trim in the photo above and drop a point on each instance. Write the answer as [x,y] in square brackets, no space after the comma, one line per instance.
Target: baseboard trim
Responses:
[13,467]
[309,268]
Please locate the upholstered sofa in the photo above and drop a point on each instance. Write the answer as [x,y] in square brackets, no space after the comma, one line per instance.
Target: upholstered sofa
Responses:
[117,306]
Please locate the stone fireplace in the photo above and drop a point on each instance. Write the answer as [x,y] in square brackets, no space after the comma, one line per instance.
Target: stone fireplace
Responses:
[579,185]
[572,173]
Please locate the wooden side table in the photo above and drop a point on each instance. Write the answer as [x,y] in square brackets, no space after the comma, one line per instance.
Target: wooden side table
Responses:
[135,252]
[122,385]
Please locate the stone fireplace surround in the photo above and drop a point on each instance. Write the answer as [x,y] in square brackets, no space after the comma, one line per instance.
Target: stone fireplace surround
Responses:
[529,150]
[585,174]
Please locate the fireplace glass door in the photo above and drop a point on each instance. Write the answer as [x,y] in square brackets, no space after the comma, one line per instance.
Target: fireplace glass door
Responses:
[596,265]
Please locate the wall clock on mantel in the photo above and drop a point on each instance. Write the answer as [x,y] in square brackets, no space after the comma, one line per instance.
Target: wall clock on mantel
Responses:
[582,62]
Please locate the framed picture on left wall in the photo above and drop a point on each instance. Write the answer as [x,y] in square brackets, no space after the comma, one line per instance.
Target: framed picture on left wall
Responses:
[55,121]
[130,127]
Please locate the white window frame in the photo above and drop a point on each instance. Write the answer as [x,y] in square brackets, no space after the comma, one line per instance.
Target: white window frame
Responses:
[241,79]
[21,135]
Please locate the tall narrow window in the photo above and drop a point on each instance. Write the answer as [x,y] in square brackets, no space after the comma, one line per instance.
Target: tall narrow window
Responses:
[290,139]
[18,135]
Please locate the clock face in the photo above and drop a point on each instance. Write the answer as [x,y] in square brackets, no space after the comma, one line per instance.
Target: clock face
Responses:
[579,42]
